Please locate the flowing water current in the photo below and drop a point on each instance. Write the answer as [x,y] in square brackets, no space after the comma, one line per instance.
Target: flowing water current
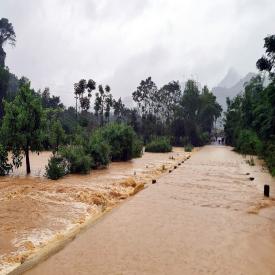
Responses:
[206,217]
[37,214]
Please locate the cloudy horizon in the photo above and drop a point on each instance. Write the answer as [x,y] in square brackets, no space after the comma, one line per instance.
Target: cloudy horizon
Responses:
[122,42]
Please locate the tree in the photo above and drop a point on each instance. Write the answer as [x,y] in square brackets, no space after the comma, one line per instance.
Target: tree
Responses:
[169,96]
[119,109]
[188,110]
[7,34]
[145,96]
[49,101]
[267,62]
[209,110]
[103,103]
[23,123]
[5,166]
[57,135]
[79,90]
[4,83]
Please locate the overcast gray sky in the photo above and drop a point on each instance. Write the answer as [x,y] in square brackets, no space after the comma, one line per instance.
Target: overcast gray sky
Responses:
[120,42]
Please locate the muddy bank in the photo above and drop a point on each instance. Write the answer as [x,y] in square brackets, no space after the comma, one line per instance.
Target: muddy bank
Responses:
[35,211]
[206,217]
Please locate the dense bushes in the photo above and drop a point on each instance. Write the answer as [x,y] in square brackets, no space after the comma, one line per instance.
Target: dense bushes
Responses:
[79,161]
[5,166]
[254,109]
[112,142]
[269,156]
[70,159]
[188,148]
[122,141]
[99,150]
[137,147]
[248,143]
[159,145]
[57,167]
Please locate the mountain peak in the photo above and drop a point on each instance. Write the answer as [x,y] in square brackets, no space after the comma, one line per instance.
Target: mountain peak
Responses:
[230,79]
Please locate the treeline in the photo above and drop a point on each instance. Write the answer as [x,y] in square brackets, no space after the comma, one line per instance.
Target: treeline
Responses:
[250,117]
[99,128]
[31,124]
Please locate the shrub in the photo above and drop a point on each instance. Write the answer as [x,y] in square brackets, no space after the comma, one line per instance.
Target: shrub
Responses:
[120,137]
[159,145]
[204,138]
[79,161]
[5,166]
[251,161]
[269,156]
[57,167]
[248,143]
[137,147]
[99,150]
[188,148]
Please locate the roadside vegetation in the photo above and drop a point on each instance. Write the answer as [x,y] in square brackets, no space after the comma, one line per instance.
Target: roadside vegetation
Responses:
[159,145]
[250,117]
[98,129]
[188,148]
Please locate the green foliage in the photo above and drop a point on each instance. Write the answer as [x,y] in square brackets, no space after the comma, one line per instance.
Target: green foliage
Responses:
[119,109]
[57,167]
[79,161]
[68,120]
[103,104]
[137,147]
[121,139]
[5,166]
[269,156]
[57,135]
[197,111]
[248,143]
[159,145]
[7,35]
[188,148]
[23,122]
[267,62]
[49,101]
[254,109]
[146,96]
[80,136]
[205,138]
[80,89]
[4,82]
[99,150]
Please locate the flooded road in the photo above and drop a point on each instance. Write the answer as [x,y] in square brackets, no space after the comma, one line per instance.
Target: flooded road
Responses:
[37,215]
[206,217]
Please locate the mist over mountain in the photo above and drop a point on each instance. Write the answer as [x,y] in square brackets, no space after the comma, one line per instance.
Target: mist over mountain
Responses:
[231,85]
[230,79]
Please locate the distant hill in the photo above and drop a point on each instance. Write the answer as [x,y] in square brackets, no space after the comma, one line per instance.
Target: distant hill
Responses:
[230,79]
[230,87]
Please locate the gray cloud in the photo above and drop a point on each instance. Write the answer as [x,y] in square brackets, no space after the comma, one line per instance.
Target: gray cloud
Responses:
[121,42]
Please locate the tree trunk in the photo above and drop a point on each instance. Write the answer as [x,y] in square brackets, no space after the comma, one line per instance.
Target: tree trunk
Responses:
[76,106]
[2,57]
[28,167]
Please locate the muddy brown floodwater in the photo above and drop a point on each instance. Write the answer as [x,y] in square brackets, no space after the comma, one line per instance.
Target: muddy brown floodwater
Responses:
[37,214]
[206,217]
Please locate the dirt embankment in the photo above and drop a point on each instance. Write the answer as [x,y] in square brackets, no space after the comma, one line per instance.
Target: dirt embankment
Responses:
[36,212]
